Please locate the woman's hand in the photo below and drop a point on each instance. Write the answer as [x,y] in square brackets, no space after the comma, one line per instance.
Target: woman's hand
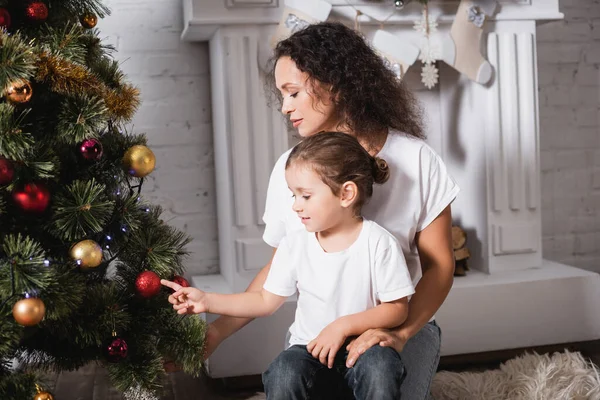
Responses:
[186,300]
[395,338]
[326,345]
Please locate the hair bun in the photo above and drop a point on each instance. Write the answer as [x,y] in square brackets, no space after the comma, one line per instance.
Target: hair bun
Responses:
[381,170]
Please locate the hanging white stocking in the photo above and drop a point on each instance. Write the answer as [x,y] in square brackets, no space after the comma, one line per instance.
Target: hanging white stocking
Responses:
[461,46]
[398,54]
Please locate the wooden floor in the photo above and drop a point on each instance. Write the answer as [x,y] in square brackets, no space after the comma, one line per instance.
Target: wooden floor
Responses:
[91,382]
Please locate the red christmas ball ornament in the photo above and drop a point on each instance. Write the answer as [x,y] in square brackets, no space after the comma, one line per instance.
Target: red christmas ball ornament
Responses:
[7,171]
[115,349]
[91,149]
[147,284]
[32,197]
[181,281]
[36,11]
[4,18]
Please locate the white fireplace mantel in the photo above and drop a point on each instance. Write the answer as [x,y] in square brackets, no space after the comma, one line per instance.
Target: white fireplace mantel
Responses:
[487,135]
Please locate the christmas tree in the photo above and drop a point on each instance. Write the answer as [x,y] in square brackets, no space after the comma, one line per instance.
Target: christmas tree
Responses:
[81,253]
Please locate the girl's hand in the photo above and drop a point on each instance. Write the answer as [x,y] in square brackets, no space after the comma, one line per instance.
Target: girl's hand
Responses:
[326,345]
[186,300]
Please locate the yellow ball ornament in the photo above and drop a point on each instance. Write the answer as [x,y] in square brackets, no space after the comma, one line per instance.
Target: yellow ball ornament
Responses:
[19,92]
[88,20]
[139,161]
[43,396]
[87,253]
[29,312]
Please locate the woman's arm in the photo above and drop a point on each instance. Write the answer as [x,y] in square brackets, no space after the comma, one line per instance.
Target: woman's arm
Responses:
[384,315]
[434,244]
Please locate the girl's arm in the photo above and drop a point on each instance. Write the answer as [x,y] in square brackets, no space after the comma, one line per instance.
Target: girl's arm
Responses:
[384,315]
[245,305]
[190,300]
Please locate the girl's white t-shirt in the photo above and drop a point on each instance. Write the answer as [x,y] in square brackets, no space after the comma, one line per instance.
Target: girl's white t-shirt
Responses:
[370,271]
[418,190]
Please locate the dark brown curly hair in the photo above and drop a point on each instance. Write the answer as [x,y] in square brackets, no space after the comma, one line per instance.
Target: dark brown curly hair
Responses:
[367,95]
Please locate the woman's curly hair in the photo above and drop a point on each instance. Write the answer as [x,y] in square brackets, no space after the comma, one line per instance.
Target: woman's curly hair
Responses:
[367,95]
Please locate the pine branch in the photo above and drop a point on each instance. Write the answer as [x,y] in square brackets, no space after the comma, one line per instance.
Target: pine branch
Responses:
[25,258]
[80,118]
[182,338]
[161,247]
[80,210]
[2,206]
[79,7]
[41,163]
[65,294]
[17,60]
[14,143]
[65,42]
[17,386]
[108,70]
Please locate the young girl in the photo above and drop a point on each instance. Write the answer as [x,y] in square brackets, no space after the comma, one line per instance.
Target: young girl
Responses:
[349,273]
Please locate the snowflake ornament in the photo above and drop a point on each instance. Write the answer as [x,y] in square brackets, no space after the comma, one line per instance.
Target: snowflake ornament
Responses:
[429,75]
[430,52]
[424,23]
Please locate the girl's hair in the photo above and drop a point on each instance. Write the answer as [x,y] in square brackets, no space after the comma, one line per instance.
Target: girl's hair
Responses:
[338,158]
[367,95]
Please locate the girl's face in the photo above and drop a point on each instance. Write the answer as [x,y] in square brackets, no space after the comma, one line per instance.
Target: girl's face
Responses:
[314,202]
[309,109]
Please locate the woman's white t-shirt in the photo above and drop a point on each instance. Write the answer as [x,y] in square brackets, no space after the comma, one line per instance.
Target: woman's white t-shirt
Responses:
[418,190]
[331,285]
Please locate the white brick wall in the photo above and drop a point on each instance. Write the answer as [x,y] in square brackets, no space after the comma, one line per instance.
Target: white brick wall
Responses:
[569,85]
[175,114]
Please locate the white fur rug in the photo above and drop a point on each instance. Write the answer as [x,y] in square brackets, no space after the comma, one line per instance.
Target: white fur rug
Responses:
[558,376]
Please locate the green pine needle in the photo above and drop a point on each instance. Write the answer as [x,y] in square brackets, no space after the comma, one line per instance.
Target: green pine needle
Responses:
[65,42]
[25,259]
[17,59]
[80,210]
[14,143]
[81,117]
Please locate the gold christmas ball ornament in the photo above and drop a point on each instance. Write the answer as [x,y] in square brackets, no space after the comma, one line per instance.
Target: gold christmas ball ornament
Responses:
[88,20]
[87,253]
[29,311]
[42,394]
[139,161]
[19,92]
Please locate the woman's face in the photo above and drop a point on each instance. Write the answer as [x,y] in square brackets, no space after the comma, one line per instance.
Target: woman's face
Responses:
[309,108]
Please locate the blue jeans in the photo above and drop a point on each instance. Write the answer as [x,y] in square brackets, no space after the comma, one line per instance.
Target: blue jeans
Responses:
[296,375]
[420,357]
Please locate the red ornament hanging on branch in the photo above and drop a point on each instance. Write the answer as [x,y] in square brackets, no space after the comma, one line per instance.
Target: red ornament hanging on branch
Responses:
[7,171]
[147,284]
[181,281]
[36,11]
[32,197]
[91,149]
[115,349]
[4,18]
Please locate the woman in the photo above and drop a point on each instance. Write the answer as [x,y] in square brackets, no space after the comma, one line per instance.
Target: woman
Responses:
[329,79]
